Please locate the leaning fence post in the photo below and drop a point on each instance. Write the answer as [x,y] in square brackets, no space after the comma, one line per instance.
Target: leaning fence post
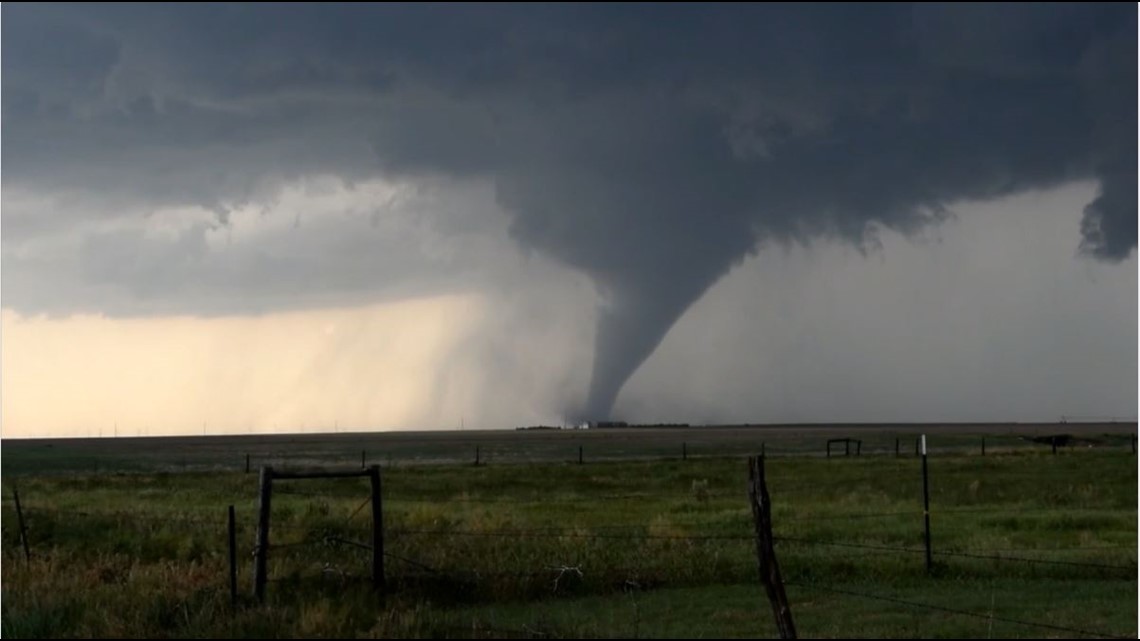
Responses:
[579,455]
[765,552]
[23,528]
[233,557]
[265,494]
[377,528]
[926,504]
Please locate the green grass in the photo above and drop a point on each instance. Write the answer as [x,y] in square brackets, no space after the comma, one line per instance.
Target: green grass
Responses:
[632,548]
[740,611]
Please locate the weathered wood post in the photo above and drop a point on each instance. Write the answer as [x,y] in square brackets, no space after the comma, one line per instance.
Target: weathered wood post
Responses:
[579,455]
[684,451]
[926,505]
[983,446]
[261,551]
[765,552]
[247,463]
[23,527]
[363,459]
[1053,440]
[476,456]
[233,556]
[377,528]
[896,447]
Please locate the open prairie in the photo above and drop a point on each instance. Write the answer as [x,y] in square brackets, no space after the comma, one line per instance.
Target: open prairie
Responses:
[128,537]
[202,453]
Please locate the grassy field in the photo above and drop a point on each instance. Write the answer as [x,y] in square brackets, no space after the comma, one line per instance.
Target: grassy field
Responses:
[1027,544]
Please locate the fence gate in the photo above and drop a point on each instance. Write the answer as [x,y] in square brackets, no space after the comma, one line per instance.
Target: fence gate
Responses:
[265,499]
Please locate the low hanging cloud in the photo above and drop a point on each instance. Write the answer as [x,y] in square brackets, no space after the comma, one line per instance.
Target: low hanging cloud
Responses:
[651,149]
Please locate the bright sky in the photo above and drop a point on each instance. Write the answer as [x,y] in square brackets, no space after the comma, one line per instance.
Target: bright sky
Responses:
[315,370]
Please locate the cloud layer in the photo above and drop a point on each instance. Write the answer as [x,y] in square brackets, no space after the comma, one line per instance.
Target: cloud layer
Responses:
[651,149]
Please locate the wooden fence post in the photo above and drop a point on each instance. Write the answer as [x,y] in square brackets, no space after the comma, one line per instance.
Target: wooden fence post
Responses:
[233,556]
[765,552]
[685,451]
[247,463]
[265,494]
[476,456]
[363,465]
[1053,440]
[926,505]
[579,455]
[377,529]
[23,528]
[896,447]
[983,446]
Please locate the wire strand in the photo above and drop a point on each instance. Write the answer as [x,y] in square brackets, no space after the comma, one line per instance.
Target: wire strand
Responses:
[938,608]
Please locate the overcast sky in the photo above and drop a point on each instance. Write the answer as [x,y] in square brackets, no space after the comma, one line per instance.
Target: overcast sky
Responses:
[274,217]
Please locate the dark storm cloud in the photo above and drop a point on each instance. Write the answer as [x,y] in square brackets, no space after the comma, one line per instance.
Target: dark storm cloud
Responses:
[649,147]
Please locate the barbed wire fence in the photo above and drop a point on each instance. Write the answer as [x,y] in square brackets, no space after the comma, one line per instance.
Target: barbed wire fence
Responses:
[571,447]
[335,539]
